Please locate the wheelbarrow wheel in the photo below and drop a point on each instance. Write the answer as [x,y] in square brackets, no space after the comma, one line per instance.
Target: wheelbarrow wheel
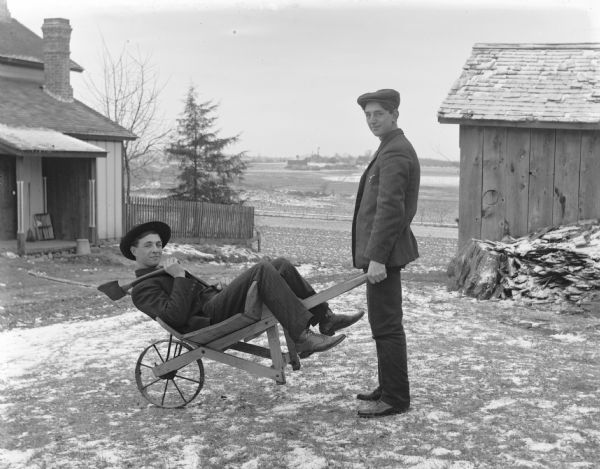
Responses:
[175,389]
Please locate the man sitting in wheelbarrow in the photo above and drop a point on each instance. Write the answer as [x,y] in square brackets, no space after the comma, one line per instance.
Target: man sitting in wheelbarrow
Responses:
[187,304]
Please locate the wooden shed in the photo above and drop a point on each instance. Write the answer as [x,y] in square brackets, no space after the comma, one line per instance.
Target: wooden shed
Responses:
[529,117]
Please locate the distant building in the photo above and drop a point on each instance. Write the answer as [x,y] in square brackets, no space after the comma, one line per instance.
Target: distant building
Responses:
[297,164]
[529,117]
[57,155]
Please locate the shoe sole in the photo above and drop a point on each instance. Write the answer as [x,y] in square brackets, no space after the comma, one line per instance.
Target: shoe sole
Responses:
[383,414]
[333,344]
[360,397]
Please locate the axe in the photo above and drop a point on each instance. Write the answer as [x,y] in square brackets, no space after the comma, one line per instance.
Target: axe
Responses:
[115,291]
[112,289]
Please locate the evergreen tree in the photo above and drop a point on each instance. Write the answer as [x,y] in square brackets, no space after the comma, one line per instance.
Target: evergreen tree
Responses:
[207,174]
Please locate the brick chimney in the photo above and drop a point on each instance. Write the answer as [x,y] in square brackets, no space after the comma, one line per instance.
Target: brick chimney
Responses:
[57,63]
[4,13]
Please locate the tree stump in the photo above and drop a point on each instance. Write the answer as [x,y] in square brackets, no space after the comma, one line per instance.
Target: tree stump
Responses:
[477,272]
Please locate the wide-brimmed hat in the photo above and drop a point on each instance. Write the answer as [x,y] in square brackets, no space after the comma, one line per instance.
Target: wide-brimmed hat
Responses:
[162,229]
[388,97]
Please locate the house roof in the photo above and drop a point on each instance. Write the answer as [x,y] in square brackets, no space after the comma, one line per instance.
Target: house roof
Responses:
[22,141]
[21,46]
[527,84]
[25,103]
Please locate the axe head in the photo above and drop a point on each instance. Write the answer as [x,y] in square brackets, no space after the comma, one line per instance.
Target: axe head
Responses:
[113,290]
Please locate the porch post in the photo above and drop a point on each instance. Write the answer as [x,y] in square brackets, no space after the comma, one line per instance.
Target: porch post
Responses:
[45,194]
[92,231]
[21,235]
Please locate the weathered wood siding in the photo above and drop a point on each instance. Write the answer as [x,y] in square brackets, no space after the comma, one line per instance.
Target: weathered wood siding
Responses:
[109,191]
[471,175]
[493,200]
[589,189]
[515,180]
[541,178]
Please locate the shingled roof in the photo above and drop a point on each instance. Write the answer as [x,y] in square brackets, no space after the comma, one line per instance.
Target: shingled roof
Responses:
[24,103]
[527,84]
[19,45]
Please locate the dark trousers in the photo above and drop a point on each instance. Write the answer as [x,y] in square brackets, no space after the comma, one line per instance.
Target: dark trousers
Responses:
[280,287]
[384,302]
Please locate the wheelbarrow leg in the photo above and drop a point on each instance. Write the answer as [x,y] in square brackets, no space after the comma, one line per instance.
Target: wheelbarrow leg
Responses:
[291,346]
[276,354]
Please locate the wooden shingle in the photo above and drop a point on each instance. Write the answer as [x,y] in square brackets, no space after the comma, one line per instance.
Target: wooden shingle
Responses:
[529,85]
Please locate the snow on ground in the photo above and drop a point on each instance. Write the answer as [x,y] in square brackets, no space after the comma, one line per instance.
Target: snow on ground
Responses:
[484,394]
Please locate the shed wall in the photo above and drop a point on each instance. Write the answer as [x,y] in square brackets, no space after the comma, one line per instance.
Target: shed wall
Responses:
[514,180]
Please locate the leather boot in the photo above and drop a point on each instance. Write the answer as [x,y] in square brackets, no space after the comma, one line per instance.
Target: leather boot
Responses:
[374,395]
[380,409]
[334,322]
[310,342]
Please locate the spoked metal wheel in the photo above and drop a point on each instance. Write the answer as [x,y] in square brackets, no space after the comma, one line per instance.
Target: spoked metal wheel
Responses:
[175,389]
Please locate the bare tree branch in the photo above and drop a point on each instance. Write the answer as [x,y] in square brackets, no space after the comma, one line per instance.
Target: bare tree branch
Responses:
[129,95]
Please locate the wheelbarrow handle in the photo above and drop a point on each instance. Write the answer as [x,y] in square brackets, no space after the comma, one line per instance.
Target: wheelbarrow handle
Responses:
[334,291]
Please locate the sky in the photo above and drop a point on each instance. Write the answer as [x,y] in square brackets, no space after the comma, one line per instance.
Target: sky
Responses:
[286,74]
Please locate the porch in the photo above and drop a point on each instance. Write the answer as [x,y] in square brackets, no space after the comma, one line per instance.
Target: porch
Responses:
[48,175]
[38,247]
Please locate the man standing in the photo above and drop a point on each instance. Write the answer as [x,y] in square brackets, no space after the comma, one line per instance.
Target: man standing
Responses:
[383,243]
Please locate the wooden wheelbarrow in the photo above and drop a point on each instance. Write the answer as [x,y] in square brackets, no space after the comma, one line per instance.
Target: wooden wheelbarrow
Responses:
[169,373]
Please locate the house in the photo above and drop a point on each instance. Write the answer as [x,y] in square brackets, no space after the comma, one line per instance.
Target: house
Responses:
[529,117]
[60,161]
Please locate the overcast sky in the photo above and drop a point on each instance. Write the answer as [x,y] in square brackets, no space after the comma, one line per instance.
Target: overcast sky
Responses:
[287,74]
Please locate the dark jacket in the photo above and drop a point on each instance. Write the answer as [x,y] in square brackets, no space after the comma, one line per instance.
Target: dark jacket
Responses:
[177,301]
[386,203]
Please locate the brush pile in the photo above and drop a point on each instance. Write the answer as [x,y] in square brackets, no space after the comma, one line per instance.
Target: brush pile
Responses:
[551,265]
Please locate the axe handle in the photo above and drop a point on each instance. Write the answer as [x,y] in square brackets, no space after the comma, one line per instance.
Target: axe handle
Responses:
[154,273]
[61,280]
[199,280]
[132,284]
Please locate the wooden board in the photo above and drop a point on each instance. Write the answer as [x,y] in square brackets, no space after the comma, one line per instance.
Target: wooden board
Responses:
[589,190]
[518,145]
[43,226]
[541,178]
[493,189]
[469,198]
[567,163]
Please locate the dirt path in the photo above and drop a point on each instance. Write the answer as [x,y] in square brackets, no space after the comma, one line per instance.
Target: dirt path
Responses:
[420,230]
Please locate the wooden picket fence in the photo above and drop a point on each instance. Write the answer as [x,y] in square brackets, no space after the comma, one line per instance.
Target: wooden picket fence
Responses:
[194,220]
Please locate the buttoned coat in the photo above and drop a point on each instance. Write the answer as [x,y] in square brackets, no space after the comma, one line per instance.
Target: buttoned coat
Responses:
[386,203]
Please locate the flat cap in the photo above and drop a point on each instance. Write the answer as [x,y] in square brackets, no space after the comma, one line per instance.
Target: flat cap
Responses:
[387,97]
[162,229]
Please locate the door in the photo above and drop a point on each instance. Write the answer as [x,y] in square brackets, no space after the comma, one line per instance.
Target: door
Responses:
[8,197]
[67,195]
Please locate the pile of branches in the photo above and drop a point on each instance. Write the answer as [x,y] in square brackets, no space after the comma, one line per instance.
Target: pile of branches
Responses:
[551,265]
